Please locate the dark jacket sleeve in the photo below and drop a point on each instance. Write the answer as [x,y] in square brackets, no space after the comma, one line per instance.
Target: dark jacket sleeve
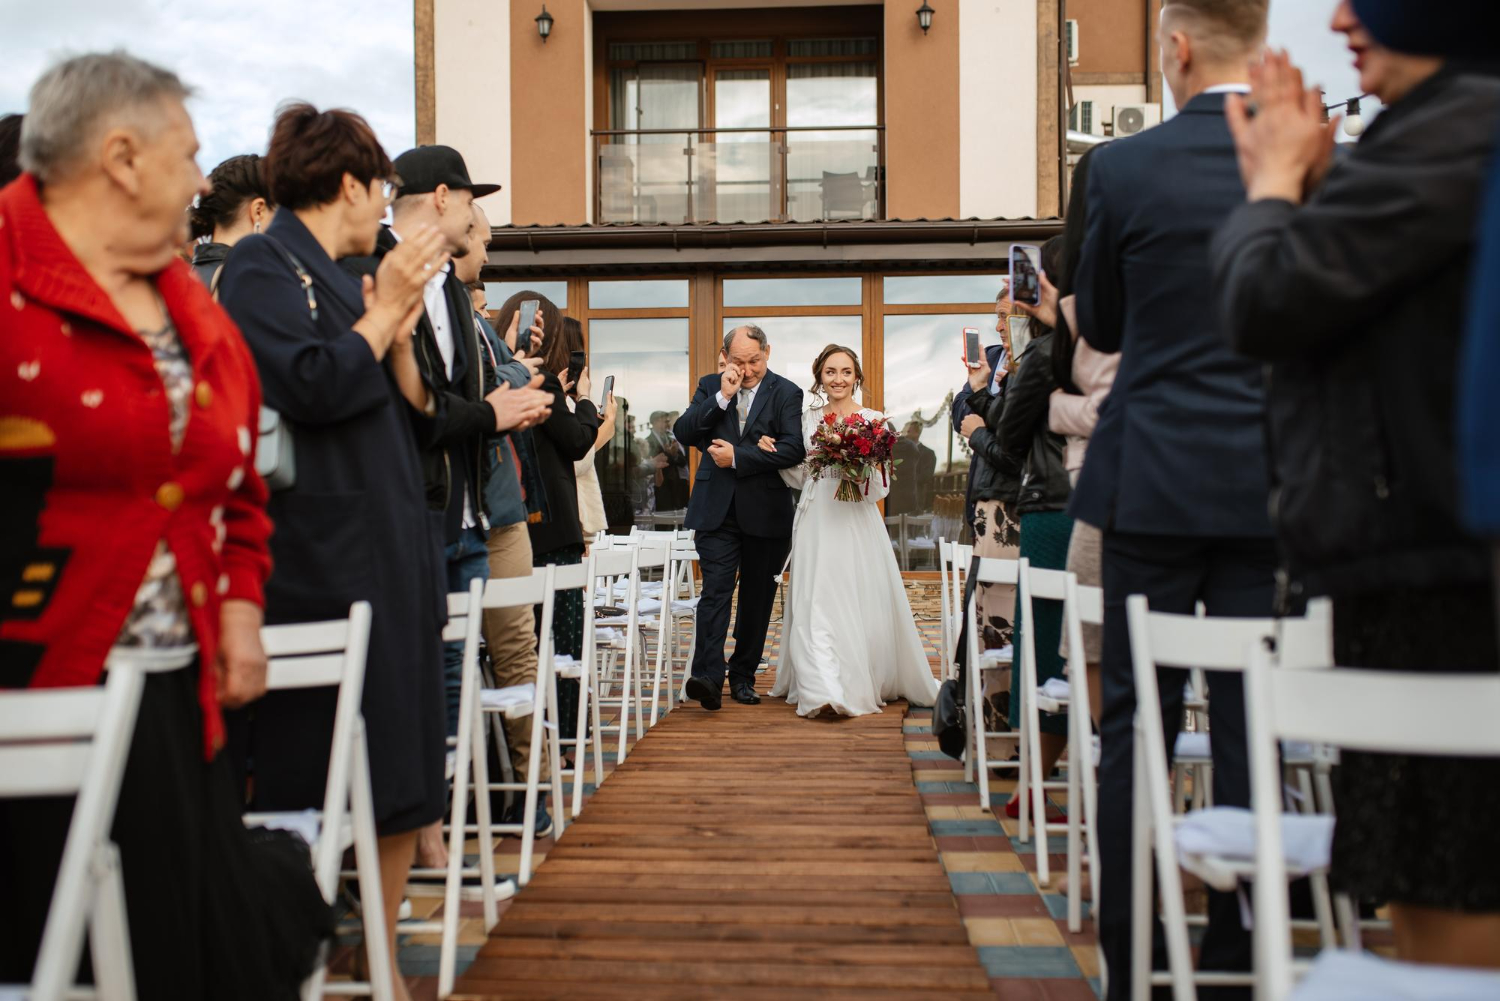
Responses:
[695,428]
[1007,441]
[749,459]
[1292,280]
[1098,284]
[571,433]
[308,377]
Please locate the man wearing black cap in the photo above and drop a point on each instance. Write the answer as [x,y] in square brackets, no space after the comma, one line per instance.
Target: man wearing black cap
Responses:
[436,192]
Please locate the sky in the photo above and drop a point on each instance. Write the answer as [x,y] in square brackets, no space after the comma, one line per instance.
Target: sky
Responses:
[1301,27]
[245,58]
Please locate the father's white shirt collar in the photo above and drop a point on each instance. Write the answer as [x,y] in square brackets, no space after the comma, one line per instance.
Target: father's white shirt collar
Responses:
[1229,88]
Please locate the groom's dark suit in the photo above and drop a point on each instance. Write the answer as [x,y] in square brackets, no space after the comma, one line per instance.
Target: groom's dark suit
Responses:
[743,518]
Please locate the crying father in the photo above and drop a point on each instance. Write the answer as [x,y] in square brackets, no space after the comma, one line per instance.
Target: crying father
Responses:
[740,507]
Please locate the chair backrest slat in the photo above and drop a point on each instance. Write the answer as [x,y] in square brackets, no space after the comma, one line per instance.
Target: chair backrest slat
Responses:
[1049,585]
[991,570]
[1217,644]
[570,576]
[1387,711]
[1090,603]
[43,769]
[306,637]
[612,563]
[322,670]
[511,592]
[50,714]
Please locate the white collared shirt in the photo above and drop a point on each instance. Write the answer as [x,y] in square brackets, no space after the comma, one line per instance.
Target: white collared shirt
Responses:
[435,302]
[724,403]
[1228,88]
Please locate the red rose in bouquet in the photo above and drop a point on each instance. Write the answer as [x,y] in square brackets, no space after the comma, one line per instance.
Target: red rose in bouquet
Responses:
[852,448]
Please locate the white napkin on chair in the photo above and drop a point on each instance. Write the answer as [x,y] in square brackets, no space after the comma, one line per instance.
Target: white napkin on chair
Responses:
[1229,832]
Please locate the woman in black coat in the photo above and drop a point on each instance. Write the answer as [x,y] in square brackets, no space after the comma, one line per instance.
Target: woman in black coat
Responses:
[338,366]
[1351,282]
[564,438]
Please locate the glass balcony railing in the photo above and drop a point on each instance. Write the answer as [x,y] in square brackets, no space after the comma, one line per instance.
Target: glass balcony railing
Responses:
[739,175]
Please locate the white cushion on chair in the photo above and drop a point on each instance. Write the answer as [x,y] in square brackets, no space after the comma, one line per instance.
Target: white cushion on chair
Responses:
[566,667]
[514,701]
[685,606]
[1218,844]
[1342,975]
[999,657]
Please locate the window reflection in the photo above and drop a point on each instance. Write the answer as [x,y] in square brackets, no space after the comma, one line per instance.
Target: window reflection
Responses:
[496,293]
[792,291]
[643,294]
[936,289]
[649,360]
[923,372]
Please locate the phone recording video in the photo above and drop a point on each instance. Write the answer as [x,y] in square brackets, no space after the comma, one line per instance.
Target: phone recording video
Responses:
[523,329]
[1025,273]
[609,387]
[972,351]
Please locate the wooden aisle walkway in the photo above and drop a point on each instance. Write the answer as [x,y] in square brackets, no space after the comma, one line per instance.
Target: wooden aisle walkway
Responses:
[742,854]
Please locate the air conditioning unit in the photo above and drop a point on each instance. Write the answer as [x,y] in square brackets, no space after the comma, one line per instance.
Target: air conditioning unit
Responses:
[1133,118]
[1072,37]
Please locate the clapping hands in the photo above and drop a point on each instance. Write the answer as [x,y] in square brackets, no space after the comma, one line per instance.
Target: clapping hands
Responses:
[1284,146]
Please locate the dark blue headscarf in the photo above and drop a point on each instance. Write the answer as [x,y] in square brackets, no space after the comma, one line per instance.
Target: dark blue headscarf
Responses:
[1465,29]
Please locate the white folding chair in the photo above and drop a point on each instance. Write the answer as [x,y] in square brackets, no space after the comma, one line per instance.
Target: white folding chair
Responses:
[657,619]
[604,567]
[989,571]
[1081,605]
[1165,640]
[464,619]
[1386,712]
[620,653]
[332,655]
[74,742]
[518,701]
[953,558]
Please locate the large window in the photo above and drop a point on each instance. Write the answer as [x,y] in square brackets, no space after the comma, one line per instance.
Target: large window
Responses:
[923,323]
[739,129]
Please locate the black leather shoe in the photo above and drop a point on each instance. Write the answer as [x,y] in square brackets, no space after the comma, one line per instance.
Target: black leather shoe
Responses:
[703,693]
[744,693]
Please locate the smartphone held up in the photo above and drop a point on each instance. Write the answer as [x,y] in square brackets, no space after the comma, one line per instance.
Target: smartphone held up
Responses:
[1025,273]
[973,353]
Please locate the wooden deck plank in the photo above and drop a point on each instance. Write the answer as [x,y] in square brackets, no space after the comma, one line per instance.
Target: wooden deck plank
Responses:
[746,854]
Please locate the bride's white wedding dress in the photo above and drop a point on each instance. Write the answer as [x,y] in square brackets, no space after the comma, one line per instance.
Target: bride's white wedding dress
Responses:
[849,642]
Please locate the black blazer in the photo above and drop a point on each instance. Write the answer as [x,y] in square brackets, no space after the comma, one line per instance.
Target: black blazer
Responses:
[1180,444]
[762,502]
[564,438]
[1357,299]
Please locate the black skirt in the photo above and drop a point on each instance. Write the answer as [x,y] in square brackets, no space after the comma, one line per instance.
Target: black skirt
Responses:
[215,911]
[1385,845]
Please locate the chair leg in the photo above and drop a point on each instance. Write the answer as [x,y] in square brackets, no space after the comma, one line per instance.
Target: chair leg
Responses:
[367,866]
[598,745]
[1075,832]
[580,736]
[1140,881]
[109,929]
[554,742]
[459,798]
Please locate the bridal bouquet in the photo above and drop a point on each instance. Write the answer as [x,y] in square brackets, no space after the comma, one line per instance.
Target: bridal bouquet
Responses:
[851,448]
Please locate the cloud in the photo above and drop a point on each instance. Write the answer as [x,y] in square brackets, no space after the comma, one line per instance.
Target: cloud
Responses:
[242,59]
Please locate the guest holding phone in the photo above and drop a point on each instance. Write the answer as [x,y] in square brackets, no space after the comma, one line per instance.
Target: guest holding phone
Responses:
[566,436]
[590,497]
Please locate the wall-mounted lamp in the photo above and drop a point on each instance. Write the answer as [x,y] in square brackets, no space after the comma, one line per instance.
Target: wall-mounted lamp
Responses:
[924,16]
[544,24]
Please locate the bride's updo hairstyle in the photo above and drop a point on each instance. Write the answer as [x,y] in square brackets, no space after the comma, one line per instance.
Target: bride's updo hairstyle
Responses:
[827,353]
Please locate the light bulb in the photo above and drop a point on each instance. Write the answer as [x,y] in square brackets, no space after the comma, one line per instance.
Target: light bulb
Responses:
[1354,125]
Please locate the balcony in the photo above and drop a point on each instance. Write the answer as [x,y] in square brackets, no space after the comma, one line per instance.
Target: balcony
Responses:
[787,174]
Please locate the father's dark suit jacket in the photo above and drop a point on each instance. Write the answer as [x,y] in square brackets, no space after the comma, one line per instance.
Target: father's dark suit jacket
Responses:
[1180,446]
[762,502]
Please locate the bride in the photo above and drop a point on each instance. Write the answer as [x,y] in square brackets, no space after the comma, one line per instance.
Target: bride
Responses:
[849,641]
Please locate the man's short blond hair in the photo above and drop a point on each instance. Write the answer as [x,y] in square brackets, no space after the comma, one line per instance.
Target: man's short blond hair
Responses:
[1223,30]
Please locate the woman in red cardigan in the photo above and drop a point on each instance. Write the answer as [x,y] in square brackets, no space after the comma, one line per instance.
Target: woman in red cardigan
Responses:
[128,408]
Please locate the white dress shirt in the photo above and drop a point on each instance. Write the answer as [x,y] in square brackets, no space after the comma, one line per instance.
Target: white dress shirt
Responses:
[435,302]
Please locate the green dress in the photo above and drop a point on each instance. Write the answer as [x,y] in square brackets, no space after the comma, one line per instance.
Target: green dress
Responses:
[1044,541]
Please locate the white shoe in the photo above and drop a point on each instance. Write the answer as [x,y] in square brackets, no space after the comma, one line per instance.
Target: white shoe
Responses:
[504,890]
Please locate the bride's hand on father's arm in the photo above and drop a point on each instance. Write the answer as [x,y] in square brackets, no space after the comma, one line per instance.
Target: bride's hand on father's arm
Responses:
[767,443]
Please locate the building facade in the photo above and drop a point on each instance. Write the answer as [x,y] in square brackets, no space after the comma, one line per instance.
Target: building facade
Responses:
[834,172]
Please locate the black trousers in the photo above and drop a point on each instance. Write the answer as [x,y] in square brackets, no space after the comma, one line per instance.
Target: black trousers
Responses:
[1232,577]
[723,554]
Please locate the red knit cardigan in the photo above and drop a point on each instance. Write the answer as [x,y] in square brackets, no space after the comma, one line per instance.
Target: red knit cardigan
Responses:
[88,479]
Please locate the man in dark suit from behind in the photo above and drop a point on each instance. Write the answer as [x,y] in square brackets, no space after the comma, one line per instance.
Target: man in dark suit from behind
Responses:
[911,480]
[1176,474]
